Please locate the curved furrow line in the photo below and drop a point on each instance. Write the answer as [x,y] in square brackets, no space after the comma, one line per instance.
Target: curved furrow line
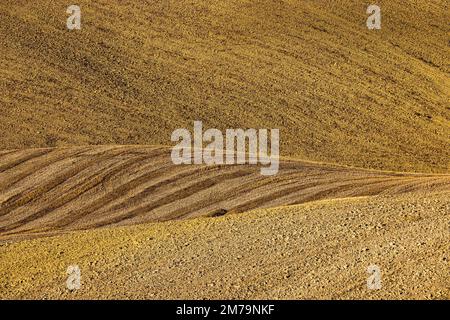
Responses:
[61,182]
[4,153]
[39,164]
[45,186]
[233,191]
[179,195]
[305,196]
[27,157]
[301,196]
[97,186]
[233,202]
[31,194]
[231,196]
[183,176]
[75,192]
[126,168]
[436,184]
[82,185]
[73,216]
[99,203]
[119,191]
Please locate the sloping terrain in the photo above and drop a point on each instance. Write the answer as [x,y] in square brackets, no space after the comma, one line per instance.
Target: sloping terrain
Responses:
[137,70]
[316,250]
[52,190]
[86,176]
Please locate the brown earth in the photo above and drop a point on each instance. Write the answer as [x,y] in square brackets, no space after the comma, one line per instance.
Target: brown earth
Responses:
[137,70]
[52,190]
[315,250]
[350,219]
[86,178]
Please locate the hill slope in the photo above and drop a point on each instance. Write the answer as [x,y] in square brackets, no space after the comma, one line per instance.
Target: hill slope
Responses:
[320,250]
[47,191]
[138,70]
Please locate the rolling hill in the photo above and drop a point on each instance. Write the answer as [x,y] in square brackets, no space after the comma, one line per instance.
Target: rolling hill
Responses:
[318,250]
[86,177]
[48,191]
[136,71]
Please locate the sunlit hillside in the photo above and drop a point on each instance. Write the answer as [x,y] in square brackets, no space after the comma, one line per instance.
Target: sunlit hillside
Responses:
[137,70]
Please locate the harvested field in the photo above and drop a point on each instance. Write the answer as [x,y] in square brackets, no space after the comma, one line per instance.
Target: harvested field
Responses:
[86,124]
[54,190]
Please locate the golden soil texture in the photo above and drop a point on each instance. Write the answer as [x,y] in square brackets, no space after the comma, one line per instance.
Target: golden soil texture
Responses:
[45,191]
[86,176]
[137,70]
[329,224]
[317,250]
